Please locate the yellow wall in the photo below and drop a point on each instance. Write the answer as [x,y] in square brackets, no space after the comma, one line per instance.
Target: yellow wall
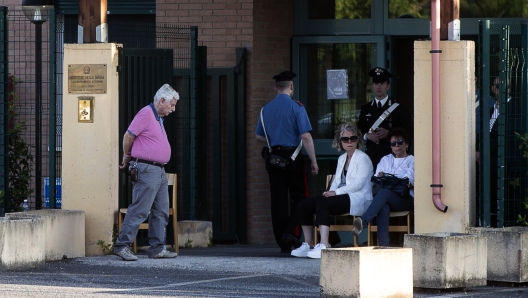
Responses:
[457,97]
[90,153]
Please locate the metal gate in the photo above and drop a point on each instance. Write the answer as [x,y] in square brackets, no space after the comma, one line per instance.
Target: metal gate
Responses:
[503,80]
[27,111]
[228,165]
[141,73]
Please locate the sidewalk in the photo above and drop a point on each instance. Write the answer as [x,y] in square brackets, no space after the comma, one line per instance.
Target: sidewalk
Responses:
[220,271]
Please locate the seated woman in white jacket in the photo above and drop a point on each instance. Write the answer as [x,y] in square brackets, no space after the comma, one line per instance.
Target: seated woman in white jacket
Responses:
[350,192]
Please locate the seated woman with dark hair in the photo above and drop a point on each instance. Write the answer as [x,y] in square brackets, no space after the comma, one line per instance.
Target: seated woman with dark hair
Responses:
[400,164]
[350,191]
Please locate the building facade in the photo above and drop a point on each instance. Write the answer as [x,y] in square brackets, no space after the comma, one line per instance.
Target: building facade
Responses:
[309,37]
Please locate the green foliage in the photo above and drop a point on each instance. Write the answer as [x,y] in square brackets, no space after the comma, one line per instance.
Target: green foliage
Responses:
[108,248]
[346,9]
[188,244]
[416,8]
[493,8]
[524,143]
[521,218]
[20,157]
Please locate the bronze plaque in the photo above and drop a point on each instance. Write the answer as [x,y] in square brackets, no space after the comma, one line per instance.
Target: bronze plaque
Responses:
[87,79]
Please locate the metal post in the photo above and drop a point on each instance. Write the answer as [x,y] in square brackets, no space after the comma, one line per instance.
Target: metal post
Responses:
[4,112]
[501,122]
[484,146]
[192,122]
[52,114]
[38,114]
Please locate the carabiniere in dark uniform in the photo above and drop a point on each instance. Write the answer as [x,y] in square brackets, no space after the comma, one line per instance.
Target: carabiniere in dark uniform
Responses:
[372,111]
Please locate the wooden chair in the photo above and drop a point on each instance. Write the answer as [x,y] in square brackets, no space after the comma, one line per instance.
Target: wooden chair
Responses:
[173,211]
[336,227]
[392,228]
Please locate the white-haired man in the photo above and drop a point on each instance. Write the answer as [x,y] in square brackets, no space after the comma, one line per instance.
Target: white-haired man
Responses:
[146,150]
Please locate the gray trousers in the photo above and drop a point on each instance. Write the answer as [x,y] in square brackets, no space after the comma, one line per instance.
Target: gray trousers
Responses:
[149,194]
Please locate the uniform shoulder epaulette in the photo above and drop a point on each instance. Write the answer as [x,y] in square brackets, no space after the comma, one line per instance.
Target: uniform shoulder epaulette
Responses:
[299,103]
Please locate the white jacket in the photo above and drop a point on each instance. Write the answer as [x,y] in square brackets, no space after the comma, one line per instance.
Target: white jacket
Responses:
[358,185]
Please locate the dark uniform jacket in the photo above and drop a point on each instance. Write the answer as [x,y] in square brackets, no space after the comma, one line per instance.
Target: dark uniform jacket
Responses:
[399,117]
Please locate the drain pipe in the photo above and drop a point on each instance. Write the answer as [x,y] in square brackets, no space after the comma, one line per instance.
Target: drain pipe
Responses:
[435,52]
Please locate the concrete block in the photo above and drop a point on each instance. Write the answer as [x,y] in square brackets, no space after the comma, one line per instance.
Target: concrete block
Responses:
[507,253]
[64,232]
[194,233]
[366,272]
[22,242]
[448,260]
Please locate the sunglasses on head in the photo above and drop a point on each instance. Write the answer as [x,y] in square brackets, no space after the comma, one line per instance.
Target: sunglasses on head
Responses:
[399,142]
[346,139]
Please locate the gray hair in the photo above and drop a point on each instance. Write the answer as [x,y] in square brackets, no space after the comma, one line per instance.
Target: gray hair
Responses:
[167,92]
[339,133]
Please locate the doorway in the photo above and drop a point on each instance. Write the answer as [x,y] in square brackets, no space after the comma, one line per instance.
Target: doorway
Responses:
[333,84]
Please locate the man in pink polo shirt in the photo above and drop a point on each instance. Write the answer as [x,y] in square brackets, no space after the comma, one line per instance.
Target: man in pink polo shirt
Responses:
[146,150]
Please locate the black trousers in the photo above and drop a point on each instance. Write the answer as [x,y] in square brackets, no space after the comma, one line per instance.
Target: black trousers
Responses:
[288,188]
[323,208]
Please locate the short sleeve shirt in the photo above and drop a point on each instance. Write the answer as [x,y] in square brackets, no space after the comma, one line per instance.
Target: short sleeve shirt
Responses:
[150,142]
[285,120]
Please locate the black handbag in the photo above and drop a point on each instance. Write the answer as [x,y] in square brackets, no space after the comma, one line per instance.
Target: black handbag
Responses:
[401,186]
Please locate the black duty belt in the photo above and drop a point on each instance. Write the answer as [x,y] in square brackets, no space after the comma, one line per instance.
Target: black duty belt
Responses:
[283,148]
[161,165]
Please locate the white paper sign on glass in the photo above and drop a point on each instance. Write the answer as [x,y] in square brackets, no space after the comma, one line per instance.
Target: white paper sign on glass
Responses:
[337,84]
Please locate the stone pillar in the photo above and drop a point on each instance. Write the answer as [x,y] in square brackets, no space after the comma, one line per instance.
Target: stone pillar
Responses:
[457,101]
[90,150]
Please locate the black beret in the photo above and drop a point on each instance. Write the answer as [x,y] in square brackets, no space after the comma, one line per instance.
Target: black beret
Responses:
[379,75]
[284,76]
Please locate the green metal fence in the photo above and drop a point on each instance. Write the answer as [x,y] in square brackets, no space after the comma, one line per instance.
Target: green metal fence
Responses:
[207,132]
[27,113]
[502,76]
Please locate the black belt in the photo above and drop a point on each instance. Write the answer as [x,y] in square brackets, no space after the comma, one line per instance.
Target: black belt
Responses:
[283,148]
[161,165]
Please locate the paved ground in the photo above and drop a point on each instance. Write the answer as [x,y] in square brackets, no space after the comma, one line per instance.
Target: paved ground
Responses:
[221,271]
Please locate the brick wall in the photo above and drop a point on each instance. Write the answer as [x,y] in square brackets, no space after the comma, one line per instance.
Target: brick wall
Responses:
[264,28]
[273,28]
[223,26]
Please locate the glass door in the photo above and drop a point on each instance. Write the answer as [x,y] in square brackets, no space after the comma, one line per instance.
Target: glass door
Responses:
[333,84]
[333,81]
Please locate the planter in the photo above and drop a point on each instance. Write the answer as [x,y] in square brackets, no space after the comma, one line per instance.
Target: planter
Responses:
[64,232]
[195,233]
[355,272]
[507,253]
[21,242]
[448,260]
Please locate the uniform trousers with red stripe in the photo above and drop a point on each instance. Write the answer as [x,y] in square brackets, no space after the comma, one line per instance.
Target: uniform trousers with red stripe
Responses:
[288,188]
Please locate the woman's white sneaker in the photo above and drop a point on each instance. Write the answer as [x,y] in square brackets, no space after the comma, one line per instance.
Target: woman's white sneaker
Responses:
[301,251]
[315,253]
